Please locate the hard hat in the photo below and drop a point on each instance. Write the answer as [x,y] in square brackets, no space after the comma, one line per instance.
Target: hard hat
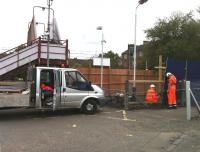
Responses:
[168,74]
[152,86]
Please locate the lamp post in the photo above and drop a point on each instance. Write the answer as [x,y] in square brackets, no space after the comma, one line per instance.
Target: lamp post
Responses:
[102,41]
[134,54]
[49,3]
[37,23]
[43,9]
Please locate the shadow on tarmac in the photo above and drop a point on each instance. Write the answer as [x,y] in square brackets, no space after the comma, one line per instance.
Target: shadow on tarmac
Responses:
[26,113]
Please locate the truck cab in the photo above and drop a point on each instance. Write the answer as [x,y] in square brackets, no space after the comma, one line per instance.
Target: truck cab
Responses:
[58,88]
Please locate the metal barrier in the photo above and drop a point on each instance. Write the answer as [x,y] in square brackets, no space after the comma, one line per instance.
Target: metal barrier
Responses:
[131,96]
[189,94]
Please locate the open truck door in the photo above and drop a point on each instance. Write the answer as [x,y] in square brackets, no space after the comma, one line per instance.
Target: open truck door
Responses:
[46,88]
[57,89]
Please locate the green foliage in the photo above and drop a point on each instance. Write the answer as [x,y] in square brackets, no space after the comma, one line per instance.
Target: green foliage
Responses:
[77,63]
[115,60]
[177,36]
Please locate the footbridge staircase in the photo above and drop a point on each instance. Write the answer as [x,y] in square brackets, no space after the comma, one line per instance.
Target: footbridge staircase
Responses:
[35,53]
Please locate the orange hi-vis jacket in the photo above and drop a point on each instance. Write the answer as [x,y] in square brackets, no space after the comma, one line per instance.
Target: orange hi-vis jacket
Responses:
[151,96]
[171,92]
[46,88]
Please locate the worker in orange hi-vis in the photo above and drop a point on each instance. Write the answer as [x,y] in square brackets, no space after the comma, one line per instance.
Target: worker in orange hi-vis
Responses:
[171,92]
[62,65]
[152,95]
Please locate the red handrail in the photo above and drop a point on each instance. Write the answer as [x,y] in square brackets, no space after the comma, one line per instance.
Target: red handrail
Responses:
[24,45]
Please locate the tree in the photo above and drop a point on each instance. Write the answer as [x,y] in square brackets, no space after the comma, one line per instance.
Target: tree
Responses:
[78,63]
[177,36]
[115,60]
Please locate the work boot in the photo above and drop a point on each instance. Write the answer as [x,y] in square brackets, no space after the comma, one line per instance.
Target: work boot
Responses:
[174,106]
[170,107]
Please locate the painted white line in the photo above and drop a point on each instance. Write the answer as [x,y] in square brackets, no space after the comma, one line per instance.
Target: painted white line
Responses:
[124,115]
[129,135]
[129,119]
[116,118]
[74,125]
[106,112]
[119,110]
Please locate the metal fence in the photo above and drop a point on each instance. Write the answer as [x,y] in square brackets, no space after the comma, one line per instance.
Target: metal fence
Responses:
[192,92]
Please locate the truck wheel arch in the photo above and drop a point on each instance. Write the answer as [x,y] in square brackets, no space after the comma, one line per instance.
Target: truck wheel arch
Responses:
[90,106]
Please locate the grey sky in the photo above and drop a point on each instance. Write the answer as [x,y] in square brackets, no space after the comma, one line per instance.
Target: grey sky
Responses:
[77,21]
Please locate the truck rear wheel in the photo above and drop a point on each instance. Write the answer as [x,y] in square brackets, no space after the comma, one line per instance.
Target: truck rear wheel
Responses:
[90,107]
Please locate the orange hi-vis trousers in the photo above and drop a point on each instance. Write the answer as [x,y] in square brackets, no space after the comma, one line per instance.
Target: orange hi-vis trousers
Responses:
[171,95]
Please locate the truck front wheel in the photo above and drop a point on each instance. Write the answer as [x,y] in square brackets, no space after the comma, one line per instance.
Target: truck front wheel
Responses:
[90,106]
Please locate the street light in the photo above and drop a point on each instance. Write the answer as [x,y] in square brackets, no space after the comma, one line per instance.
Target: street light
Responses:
[102,41]
[49,3]
[37,23]
[43,9]
[134,56]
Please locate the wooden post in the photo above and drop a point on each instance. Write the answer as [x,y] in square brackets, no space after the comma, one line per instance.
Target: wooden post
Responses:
[160,68]
[160,71]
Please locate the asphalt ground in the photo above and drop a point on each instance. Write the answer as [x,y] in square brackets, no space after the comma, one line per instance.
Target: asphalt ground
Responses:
[110,130]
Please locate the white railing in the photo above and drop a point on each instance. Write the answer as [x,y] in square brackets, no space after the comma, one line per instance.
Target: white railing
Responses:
[19,58]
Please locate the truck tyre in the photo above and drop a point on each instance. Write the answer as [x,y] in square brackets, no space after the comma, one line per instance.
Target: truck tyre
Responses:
[89,106]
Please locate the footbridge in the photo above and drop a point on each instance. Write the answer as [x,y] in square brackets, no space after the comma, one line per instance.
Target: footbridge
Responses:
[36,52]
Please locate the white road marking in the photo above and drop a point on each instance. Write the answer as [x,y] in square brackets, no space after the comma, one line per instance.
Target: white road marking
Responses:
[116,118]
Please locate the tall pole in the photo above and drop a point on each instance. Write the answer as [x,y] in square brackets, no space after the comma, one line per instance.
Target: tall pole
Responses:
[134,53]
[102,41]
[48,30]
[43,8]
[140,2]
[49,3]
